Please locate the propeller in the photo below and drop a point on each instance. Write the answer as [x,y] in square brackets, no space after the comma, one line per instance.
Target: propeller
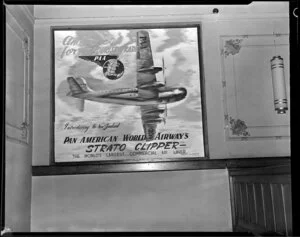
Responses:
[165,82]
[163,67]
[166,113]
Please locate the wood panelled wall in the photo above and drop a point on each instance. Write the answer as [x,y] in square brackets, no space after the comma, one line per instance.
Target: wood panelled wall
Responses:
[261,200]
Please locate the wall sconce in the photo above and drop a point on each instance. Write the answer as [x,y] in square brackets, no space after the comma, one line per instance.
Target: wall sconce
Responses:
[278,80]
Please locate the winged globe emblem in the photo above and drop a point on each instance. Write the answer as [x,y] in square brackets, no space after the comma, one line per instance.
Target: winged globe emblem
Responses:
[113,68]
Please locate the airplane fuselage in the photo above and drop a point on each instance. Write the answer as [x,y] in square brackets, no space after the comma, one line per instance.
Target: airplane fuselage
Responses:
[132,97]
[121,100]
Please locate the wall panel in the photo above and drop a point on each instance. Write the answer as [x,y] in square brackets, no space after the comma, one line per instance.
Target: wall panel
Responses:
[248,86]
[252,126]
[17,80]
[266,197]
[18,119]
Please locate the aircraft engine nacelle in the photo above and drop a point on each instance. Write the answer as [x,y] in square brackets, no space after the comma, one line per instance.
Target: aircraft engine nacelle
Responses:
[152,85]
[151,70]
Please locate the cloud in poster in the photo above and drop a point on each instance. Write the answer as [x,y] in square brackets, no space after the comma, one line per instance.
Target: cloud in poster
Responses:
[63,62]
[190,35]
[120,36]
[182,67]
[179,52]
[178,47]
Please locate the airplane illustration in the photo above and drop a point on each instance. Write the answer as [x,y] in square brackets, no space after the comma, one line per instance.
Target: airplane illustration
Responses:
[149,94]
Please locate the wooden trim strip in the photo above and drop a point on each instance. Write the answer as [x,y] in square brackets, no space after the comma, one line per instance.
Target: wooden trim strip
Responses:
[233,201]
[283,169]
[97,168]
[123,167]
[285,214]
[256,162]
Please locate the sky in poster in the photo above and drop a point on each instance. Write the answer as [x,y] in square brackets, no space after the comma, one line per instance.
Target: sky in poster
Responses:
[178,47]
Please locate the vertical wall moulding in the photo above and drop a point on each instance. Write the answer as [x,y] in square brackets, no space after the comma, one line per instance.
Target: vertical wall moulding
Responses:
[263,204]
[19,132]
[25,123]
[255,203]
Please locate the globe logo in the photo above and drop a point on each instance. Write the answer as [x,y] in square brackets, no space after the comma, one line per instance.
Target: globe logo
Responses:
[113,69]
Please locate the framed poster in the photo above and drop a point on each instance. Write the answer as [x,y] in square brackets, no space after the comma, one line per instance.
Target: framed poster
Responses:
[131,94]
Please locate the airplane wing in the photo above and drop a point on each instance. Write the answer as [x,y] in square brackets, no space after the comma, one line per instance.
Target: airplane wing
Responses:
[144,59]
[150,118]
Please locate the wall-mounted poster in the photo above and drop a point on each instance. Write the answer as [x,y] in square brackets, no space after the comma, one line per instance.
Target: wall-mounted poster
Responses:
[127,94]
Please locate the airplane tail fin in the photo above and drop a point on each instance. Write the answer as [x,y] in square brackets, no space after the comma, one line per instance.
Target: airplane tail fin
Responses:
[77,85]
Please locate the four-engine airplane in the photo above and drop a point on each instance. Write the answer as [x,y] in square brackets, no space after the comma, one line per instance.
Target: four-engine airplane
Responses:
[151,95]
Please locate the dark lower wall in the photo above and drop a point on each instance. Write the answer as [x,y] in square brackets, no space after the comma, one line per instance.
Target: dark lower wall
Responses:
[262,200]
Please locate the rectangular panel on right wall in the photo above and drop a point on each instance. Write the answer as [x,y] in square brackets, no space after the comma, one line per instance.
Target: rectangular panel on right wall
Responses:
[252,126]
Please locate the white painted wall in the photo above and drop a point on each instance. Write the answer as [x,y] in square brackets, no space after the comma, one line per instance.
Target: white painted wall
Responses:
[159,201]
[255,19]
[18,152]
[190,200]
[52,12]
[194,200]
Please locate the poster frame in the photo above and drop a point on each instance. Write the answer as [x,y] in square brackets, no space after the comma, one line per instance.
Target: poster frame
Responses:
[167,162]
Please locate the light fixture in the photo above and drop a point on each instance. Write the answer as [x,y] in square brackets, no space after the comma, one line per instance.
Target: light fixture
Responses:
[279,88]
[278,80]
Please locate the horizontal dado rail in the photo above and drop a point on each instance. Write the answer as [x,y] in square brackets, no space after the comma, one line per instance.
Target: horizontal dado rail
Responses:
[191,164]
